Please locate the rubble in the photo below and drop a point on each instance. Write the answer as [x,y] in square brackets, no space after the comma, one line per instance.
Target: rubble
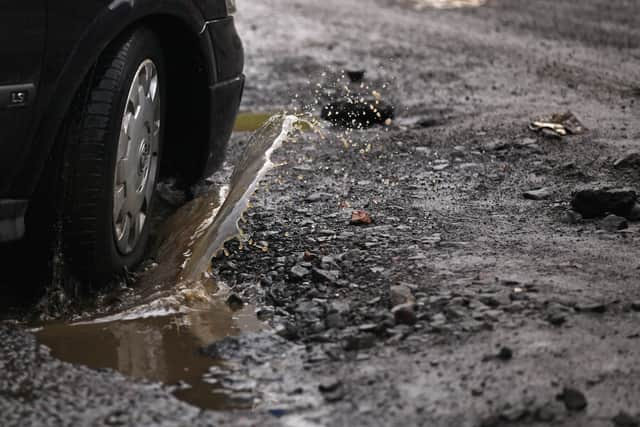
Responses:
[559,125]
[573,399]
[597,202]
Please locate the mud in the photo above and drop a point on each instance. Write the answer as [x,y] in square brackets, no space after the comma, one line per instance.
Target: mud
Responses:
[161,348]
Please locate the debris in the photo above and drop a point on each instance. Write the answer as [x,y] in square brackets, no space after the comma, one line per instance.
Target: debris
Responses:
[400,294]
[333,391]
[595,307]
[614,223]
[559,125]
[635,305]
[556,318]
[593,203]
[625,419]
[571,217]
[264,313]
[317,197]
[329,276]
[548,411]
[557,314]
[539,194]
[404,314]
[356,76]
[573,399]
[634,213]
[505,354]
[235,302]
[630,160]
[334,321]
[298,272]
[357,113]
[360,217]
[360,342]
[440,167]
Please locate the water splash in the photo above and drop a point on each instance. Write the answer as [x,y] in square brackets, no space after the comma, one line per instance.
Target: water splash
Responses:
[177,307]
[250,169]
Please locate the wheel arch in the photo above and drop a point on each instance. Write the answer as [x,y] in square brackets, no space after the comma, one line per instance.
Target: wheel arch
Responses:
[190,58]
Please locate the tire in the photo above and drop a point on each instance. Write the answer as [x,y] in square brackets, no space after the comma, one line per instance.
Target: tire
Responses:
[101,168]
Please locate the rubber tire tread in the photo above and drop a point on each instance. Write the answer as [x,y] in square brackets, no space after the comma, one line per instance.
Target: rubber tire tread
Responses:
[89,242]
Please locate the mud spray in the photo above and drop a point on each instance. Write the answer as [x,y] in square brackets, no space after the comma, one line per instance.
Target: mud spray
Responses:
[177,307]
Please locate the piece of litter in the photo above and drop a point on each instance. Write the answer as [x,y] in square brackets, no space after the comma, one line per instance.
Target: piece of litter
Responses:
[559,124]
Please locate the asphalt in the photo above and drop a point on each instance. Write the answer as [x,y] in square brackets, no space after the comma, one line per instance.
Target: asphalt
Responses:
[516,311]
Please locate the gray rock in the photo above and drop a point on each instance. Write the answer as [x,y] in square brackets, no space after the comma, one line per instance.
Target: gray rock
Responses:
[235,302]
[505,353]
[298,272]
[614,223]
[328,263]
[556,318]
[317,197]
[539,194]
[625,419]
[335,321]
[548,411]
[634,213]
[490,300]
[630,160]
[332,391]
[404,314]
[400,294]
[571,217]
[264,313]
[594,307]
[327,276]
[557,313]
[493,315]
[455,312]
[359,342]
[593,203]
[573,399]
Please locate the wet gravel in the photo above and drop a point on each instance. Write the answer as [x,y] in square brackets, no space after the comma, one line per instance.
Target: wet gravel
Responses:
[467,289]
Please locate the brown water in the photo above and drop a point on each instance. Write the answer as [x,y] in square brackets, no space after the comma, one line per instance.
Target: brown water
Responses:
[177,308]
[159,348]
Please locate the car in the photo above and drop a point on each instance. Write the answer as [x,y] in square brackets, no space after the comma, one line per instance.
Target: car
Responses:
[99,99]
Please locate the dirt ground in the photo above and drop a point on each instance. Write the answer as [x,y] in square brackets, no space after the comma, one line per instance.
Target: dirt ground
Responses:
[464,303]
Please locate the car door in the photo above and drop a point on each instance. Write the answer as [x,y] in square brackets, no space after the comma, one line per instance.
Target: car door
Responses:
[22,41]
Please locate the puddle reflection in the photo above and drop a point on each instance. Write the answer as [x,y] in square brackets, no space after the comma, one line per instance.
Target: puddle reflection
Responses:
[161,349]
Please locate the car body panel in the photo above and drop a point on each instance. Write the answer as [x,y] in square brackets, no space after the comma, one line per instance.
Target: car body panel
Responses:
[20,64]
[76,34]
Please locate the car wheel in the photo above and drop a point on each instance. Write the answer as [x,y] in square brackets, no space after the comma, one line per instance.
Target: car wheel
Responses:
[115,156]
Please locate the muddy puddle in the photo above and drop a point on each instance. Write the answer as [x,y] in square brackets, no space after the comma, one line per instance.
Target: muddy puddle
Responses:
[176,307]
[159,348]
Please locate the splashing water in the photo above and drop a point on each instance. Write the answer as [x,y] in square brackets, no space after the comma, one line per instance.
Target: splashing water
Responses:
[175,308]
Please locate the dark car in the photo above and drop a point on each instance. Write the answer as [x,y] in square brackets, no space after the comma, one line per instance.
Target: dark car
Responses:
[98,99]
